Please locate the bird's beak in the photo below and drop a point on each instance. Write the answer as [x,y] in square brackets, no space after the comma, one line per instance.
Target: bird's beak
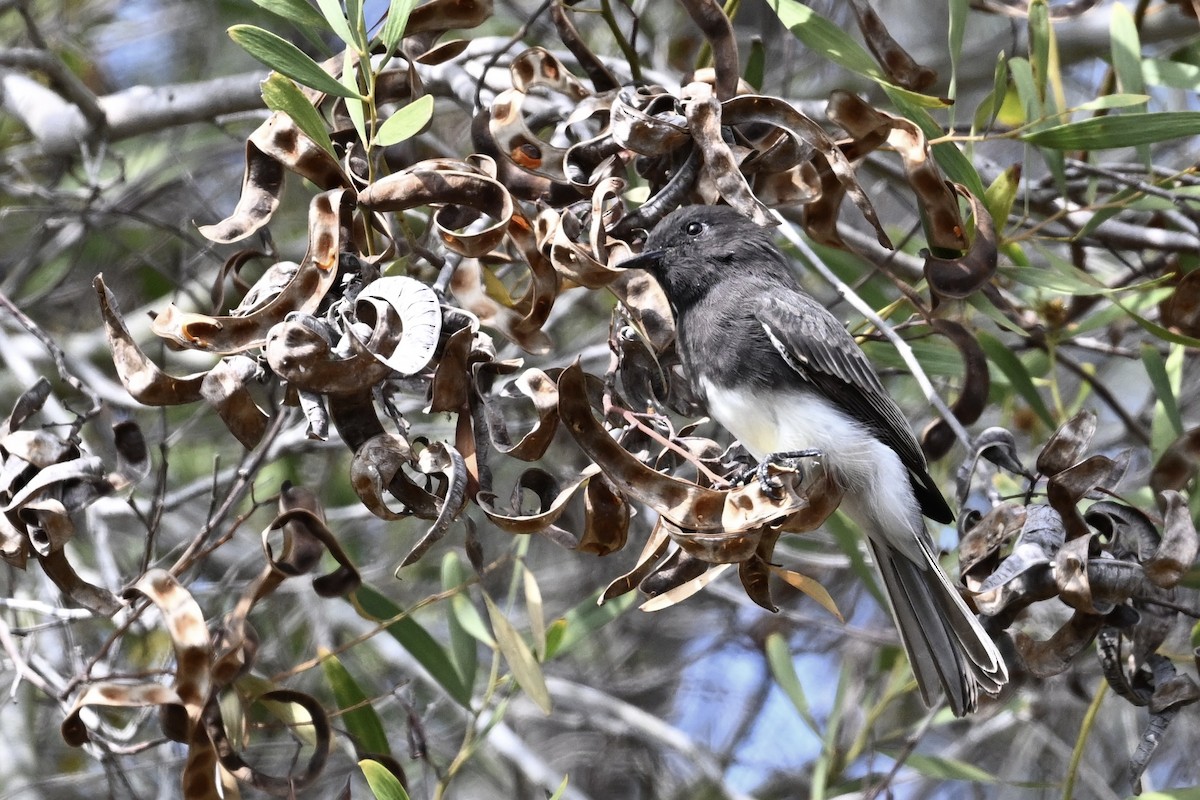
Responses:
[649,260]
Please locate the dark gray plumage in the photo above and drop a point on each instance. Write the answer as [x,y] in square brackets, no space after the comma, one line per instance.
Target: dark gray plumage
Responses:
[782,374]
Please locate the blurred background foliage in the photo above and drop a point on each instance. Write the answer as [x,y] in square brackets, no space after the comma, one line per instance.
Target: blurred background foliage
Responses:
[711,698]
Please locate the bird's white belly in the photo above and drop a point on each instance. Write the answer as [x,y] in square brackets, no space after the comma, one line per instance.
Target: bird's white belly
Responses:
[774,421]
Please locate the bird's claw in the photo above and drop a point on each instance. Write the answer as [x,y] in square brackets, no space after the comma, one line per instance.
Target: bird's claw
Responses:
[771,485]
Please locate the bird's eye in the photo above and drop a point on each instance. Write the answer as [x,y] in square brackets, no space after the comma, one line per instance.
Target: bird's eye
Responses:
[694,228]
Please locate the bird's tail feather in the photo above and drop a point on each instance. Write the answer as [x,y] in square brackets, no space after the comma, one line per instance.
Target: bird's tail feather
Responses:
[945,642]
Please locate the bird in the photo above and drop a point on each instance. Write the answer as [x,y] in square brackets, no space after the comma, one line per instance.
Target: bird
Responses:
[779,371]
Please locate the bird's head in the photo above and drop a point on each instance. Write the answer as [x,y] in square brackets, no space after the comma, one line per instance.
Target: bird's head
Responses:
[693,247]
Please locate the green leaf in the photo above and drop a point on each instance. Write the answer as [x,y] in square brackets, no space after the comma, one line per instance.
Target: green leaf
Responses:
[1167,425]
[1125,130]
[849,538]
[1023,81]
[1190,793]
[533,609]
[332,11]
[358,715]
[1060,275]
[999,196]
[959,11]
[1126,48]
[828,39]
[779,659]
[406,123]
[384,785]
[1113,101]
[943,768]
[1154,328]
[393,26]
[280,94]
[756,64]
[358,24]
[1173,74]
[1039,45]
[581,621]
[416,640]
[464,650]
[357,111]
[990,106]
[1002,356]
[297,12]
[283,56]
[561,790]
[525,668]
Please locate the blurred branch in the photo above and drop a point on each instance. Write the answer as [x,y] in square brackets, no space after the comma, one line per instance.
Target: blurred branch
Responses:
[606,712]
[59,125]
[67,82]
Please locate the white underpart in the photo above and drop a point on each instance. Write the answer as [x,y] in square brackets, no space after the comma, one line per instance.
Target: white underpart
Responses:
[879,497]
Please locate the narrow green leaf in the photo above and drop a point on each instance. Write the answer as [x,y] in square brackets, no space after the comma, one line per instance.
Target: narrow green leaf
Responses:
[297,12]
[999,85]
[406,123]
[468,617]
[1023,81]
[1154,328]
[1167,425]
[358,715]
[533,609]
[525,668]
[336,18]
[464,650]
[1146,202]
[416,640]
[849,538]
[1173,74]
[358,24]
[393,27]
[1039,45]
[1113,101]
[357,111]
[831,751]
[1126,130]
[826,38]
[281,94]
[1170,794]
[1002,356]
[936,355]
[1054,281]
[1126,48]
[756,64]
[779,659]
[561,790]
[1115,205]
[1000,195]
[959,11]
[944,768]
[297,718]
[581,621]
[384,785]
[283,56]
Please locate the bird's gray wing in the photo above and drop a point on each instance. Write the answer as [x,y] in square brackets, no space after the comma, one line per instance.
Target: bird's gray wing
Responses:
[820,350]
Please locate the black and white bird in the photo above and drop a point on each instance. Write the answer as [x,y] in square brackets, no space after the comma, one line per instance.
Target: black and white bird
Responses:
[779,371]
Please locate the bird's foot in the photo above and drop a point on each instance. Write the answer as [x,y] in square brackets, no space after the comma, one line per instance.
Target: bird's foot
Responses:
[787,459]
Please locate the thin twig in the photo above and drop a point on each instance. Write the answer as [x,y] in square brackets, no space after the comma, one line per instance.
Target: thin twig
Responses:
[56,352]
[910,746]
[902,347]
